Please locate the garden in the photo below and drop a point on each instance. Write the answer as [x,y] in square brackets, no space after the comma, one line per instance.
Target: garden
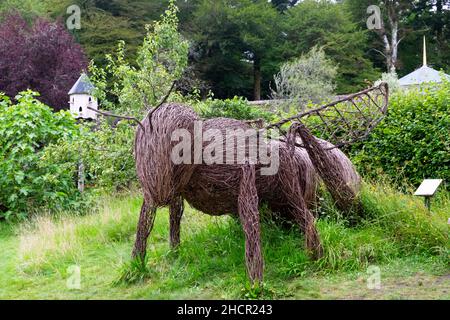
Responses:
[61,241]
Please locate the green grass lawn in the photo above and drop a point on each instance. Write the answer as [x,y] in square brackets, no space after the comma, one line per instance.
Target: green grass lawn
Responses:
[398,236]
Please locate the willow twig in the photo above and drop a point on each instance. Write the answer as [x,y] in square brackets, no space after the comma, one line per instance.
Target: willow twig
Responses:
[107,114]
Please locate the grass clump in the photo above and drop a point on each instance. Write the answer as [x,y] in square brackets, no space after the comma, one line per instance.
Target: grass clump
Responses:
[48,240]
[134,271]
[406,219]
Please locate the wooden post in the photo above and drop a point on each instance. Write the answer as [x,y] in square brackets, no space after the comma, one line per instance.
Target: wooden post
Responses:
[428,203]
[81,176]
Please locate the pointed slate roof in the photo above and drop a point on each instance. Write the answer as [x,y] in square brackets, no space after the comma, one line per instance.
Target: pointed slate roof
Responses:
[82,86]
[424,74]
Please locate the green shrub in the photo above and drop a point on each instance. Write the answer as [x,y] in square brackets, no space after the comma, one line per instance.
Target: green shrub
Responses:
[307,78]
[111,157]
[105,151]
[26,127]
[412,143]
[236,108]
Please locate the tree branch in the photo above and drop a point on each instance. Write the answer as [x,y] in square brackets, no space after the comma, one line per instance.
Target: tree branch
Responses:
[107,114]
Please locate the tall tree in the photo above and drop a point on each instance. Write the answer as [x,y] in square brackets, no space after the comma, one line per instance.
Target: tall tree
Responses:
[260,32]
[430,18]
[216,50]
[43,57]
[283,5]
[234,38]
[415,18]
[328,25]
[391,29]
[103,22]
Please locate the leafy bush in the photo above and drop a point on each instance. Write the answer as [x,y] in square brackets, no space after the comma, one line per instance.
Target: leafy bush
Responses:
[105,151]
[413,142]
[308,78]
[236,108]
[25,180]
[391,78]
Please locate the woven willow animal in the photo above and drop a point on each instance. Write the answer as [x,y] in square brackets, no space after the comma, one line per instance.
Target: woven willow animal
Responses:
[238,189]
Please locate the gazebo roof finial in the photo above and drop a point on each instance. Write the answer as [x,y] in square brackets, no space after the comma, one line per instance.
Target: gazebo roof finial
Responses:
[425,62]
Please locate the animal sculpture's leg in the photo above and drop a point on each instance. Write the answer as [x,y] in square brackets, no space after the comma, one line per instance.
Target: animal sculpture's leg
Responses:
[249,216]
[298,208]
[176,213]
[145,226]
[305,219]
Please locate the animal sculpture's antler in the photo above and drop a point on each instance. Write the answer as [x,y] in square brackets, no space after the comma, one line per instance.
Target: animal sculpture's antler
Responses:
[344,121]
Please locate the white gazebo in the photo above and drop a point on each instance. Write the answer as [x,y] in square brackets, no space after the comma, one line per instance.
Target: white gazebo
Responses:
[81,98]
[423,75]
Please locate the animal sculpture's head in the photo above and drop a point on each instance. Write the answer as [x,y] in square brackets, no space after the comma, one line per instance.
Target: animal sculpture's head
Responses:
[161,177]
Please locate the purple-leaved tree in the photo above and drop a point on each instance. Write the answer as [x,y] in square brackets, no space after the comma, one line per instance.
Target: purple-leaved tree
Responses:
[43,57]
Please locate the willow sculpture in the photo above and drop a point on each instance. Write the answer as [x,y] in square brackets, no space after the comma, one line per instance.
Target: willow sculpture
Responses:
[239,188]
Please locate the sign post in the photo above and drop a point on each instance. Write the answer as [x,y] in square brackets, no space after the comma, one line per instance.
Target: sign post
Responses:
[427,190]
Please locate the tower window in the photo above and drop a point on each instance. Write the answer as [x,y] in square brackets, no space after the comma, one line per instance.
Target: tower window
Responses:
[81,109]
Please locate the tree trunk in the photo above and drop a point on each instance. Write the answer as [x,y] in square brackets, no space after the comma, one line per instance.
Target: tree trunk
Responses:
[257,79]
[394,45]
[390,39]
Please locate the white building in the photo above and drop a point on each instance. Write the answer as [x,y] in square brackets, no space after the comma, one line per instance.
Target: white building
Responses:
[423,75]
[81,98]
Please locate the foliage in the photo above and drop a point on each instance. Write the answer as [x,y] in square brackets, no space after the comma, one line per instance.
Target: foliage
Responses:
[429,18]
[329,25]
[101,31]
[392,80]
[43,57]
[416,18]
[309,78]
[103,23]
[236,45]
[29,9]
[160,61]
[412,142]
[258,26]
[283,5]
[106,148]
[216,54]
[106,152]
[27,181]
[236,108]
[225,35]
